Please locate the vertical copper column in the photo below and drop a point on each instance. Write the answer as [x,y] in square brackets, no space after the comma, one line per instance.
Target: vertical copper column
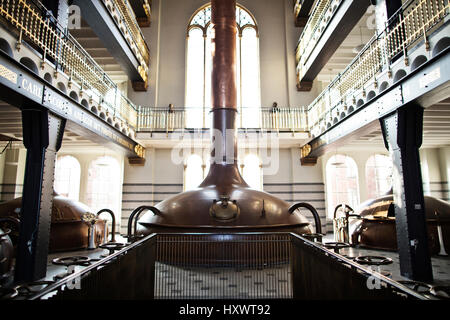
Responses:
[223,82]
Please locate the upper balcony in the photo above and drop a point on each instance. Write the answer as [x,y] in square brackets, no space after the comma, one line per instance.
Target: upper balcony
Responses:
[116,25]
[143,11]
[328,25]
[52,54]
[387,73]
[301,11]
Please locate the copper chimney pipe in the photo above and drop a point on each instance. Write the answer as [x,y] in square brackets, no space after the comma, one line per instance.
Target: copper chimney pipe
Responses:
[223,201]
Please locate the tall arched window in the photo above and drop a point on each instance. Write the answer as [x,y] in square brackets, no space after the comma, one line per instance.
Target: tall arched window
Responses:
[199,62]
[103,188]
[378,175]
[67,177]
[252,171]
[342,182]
[194,172]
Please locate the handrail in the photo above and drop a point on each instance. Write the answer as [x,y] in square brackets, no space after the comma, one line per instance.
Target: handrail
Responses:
[78,275]
[39,26]
[292,119]
[313,211]
[411,23]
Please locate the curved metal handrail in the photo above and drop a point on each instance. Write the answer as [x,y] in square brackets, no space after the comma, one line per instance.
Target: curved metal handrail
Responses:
[312,210]
[350,209]
[113,228]
[136,212]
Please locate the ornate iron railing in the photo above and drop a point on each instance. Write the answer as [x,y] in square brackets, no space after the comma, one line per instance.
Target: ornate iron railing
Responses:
[131,31]
[36,24]
[411,24]
[317,23]
[277,119]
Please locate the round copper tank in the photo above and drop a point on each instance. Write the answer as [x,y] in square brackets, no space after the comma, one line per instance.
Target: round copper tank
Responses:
[376,226]
[67,230]
[223,203]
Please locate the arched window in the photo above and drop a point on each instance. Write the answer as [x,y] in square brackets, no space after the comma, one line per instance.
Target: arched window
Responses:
[378,175]
[199,62]
[252,171]
[194,172]
[67,177]
[342,182]
[103,188]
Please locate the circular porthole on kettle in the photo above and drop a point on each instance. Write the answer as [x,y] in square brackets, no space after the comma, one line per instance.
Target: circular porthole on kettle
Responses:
[224,209]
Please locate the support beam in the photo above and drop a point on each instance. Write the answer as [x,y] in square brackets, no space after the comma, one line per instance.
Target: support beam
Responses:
[402,133]
[42,136]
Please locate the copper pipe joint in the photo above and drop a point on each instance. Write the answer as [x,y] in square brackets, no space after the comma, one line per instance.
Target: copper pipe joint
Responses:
[223,79]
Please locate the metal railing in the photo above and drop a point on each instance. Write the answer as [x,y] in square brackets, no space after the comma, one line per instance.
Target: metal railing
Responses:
[277,119]
[132,33]
[317,23]
[35,23]
[225,265]
[127,274]
[411,23]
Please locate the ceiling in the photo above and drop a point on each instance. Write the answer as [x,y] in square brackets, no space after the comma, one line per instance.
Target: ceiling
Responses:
[436,129]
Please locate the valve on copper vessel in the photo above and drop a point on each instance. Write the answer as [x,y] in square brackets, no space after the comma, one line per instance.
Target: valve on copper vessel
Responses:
[224,209]
[90,219]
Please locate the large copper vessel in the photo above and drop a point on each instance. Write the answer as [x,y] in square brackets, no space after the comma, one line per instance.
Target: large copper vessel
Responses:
[67,231]
[223,202]
[373,225]
[6,257]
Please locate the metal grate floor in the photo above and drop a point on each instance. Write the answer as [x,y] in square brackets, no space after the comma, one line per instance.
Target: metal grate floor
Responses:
[221,283]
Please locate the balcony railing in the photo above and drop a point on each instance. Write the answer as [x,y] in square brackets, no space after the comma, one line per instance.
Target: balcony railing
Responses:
[411,24]
[274,119]
[131,31]
[317,23]
[36,24]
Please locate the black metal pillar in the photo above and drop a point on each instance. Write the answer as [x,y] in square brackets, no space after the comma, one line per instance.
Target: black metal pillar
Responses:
[42,136]
[402,133]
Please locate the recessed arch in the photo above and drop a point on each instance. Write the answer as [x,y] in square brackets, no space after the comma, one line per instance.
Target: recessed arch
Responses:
[94,110]
[102,115]
[73,95]
[399,75]
[359,103]
[351,109]
[109,120]
[371,95]
[418,61]
[27,62]
[441,45]
[61,86]
[48,78]
[341,182]
[384,85]
[85,103]
[6,48]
